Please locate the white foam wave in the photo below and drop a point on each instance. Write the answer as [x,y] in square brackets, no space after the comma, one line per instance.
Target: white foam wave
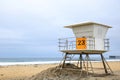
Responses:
[43,62]
[27,63]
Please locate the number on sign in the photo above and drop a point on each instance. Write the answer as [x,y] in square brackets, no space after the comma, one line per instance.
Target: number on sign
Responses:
[81,43]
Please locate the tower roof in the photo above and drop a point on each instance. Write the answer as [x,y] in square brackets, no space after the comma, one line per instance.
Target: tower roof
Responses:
[86,23]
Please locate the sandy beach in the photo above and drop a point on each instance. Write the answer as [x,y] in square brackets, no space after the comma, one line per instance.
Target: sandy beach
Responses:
[22,72]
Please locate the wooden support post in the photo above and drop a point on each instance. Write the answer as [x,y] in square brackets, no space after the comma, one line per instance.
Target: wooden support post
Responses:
[108,65]
[104,63]
[87,57]
[80,61]
[64,60]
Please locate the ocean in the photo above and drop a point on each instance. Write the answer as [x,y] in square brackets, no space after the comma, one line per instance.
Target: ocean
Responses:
[29,61]
[26,61]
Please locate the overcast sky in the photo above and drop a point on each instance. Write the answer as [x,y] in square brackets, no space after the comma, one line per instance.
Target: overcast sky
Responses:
[31,28]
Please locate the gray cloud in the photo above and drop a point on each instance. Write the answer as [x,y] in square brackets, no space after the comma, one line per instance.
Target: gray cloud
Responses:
[32,26]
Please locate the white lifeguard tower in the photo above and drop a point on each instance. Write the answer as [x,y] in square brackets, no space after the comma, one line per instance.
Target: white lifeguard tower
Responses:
[90,38]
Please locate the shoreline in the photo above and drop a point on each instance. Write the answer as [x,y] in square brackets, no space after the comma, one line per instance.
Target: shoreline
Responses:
[28,63]
[44,62]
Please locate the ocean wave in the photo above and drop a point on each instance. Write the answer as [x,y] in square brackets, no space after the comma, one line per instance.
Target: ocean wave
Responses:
[27,63]
[44,62]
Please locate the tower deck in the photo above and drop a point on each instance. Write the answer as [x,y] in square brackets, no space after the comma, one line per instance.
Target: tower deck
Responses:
[84,51]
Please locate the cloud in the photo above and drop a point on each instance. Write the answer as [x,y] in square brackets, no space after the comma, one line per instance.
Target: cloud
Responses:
[10,34]
[31,24]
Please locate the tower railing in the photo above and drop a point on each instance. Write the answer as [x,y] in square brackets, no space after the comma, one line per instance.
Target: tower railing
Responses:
[70,43]
[106,44]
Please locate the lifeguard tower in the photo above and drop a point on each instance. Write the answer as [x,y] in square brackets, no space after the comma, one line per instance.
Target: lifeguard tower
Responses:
[89,40]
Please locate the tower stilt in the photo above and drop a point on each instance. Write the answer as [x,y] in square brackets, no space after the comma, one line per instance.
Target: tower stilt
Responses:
[104,64]
[63,65]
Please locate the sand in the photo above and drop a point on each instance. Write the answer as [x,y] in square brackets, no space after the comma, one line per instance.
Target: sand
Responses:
[26,72]
[20,72]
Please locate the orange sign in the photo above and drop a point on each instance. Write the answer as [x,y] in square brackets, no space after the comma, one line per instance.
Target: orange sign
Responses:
[81,43]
